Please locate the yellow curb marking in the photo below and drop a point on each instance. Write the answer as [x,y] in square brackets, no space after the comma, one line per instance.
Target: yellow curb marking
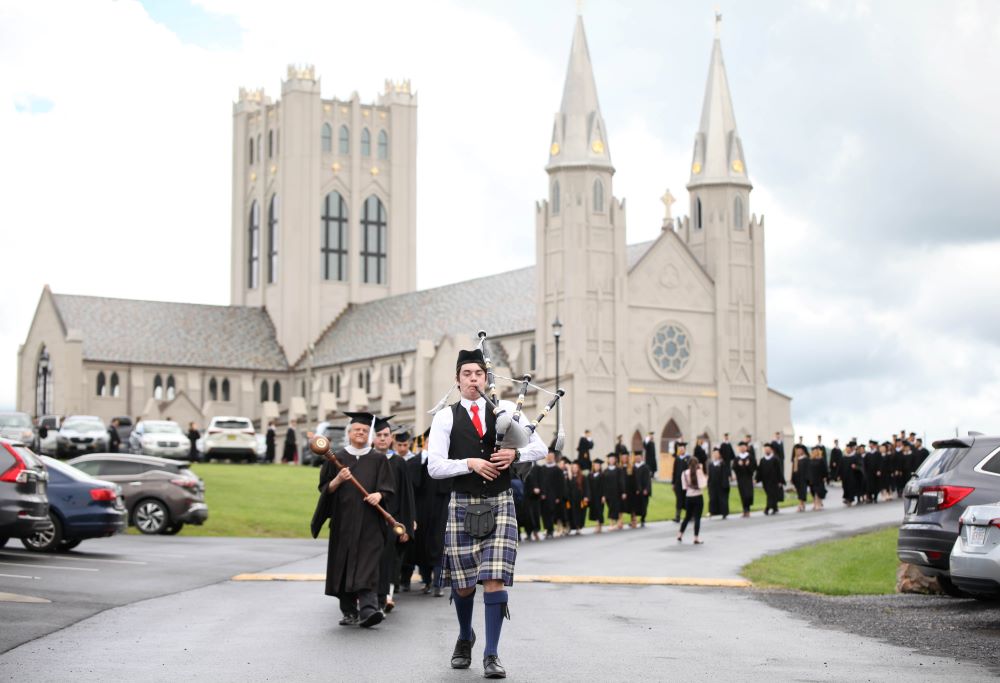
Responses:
[14,597]
[540,578]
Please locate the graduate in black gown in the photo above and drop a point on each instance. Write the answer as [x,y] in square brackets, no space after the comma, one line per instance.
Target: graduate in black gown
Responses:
[577,497]
[432,498]
[552,492]
[681,461]
[726,448]
[629,502]
[595,493]
[649,448]
[718,485]
[700,452]
[562,503]
[415,474]
[772,479]
[852,474]
[836,455]
[401,507]
[357,531]
[583,450]
[873,472]
[819,474]
[800,474]
[533,486]
[744,468]
[612,487]
[643,487]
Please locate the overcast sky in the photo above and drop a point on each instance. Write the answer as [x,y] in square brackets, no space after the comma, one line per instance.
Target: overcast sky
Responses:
[870,133]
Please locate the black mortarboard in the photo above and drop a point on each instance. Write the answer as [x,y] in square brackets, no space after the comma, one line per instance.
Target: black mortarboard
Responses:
[681,443]
[473,356]
[360,418]
[742,443]
[598,461]
[852,444]
[402,435]
[383,422]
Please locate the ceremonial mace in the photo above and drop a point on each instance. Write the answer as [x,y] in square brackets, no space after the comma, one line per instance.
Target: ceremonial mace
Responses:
[320,445]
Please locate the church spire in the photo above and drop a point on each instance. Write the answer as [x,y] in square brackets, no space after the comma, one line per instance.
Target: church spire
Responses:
[578,135]
[718,150]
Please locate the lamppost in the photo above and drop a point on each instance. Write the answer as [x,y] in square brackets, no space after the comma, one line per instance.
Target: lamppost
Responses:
[557,332]
[43,370]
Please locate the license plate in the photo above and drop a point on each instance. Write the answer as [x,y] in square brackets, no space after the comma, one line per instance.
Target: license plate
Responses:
[977,535]
[231,437]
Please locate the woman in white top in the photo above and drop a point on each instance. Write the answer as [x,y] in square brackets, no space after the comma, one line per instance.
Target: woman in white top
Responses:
[694,481]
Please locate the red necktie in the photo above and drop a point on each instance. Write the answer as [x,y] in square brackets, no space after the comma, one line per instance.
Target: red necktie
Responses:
[476,422]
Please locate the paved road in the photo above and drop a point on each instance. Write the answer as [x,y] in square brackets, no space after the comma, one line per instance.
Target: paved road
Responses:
[257,631]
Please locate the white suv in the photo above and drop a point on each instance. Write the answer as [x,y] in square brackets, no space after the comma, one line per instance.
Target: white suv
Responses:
[230,437]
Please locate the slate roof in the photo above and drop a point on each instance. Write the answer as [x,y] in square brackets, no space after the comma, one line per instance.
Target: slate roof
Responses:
[163,333]
[395,324]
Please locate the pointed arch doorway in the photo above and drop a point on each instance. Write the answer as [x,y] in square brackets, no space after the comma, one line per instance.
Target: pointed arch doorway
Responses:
[671,433]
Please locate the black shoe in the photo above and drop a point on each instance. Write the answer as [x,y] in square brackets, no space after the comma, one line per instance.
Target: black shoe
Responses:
[461,658]
[426,589]
[492,667]
[349,620]
[372,619]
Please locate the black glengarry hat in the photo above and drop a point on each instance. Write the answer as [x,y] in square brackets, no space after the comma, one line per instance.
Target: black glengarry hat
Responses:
[473,356]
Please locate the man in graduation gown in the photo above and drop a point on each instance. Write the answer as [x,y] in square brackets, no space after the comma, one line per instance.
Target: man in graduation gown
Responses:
[851,474]
[432,498]
[771,476]
[643,487]
[533,486]
[718,485]
[649,446]
[611,484]
[836,455]
[681,463]
[750,448]
[357,531]
[700,452]
[919,454]
[744,467]
[873,472]
[726,449]
[778,445]
[414,473]
[401,507]
[595,492]
[583,450]
[552,492]
[820,445]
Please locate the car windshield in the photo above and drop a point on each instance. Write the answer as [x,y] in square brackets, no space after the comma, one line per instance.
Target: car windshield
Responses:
[19,420]
[940,461]
[233,424]
[84,425]
[161,428]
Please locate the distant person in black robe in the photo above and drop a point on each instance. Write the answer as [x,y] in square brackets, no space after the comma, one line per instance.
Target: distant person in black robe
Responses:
[414,473]
[643,487]
[577,497]
[432,498]
[270,443]
[584,447]
[649,448]
[700,452]
[873,473]
[620,450]
[681,461]
[291,450]
[533,486]
[778,444]
[750,448]
[800,474]
[718,485]
[551,495]
[726,448]
[357,530]
[114,440]
[819,474]
[193,435]
[595,494]
[772,479]
[612,488]
[628,490]
[919,455]
[744,468]
[836,455]
[562,506]
[821,446]
[852,475]
[402,507]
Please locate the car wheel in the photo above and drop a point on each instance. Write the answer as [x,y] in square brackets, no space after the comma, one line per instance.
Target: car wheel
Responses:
[151,516]
[173,529]
[46,540]
[950,588]
[66,546]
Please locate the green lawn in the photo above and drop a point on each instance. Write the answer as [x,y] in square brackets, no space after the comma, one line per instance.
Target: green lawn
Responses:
[861,565]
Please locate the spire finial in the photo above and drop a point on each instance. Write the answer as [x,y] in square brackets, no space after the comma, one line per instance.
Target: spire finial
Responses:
[579,8]
[718,21]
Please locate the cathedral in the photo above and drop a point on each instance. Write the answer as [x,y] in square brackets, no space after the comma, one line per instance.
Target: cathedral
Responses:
[667,336]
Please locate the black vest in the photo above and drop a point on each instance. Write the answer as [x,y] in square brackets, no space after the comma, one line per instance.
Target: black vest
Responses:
[465,443]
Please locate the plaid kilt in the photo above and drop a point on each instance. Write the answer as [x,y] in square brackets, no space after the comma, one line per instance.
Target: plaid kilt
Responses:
[467,560]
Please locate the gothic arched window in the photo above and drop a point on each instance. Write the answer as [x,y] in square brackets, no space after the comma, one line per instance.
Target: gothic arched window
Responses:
[171,388]
[392,374]
[697,214]
[738,222]
[345,140]
[383,145]
[260,150]
[337,385]
[272,239]
[399,375]
[101,384]
[366,143]
[158,388]
[554,199]
[225,389]
[250,149]
[263,391]
[368,381]
[373,254]
[333,224]
[327,138]
[115,387]
[253,247]
[598,195]
[213,390]
[276,393]
[270,144]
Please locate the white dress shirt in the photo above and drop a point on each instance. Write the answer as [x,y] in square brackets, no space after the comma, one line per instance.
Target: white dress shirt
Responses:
[438,464]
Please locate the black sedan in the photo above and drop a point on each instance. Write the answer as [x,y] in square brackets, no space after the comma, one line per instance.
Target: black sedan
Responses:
[80,507]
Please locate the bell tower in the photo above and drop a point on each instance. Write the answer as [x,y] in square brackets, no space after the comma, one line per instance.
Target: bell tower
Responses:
[729,243]
[581,258]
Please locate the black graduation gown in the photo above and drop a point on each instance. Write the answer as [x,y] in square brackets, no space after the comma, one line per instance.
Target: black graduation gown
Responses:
[583,460]
[873,472]
[779,449]
[583,448]
[114,441]
[818,476]
[770,476]
[193,436]
[357,531]
[649,448]
[289,454]
[836,456]
[718,487]
[745,468]
[595,491]
[701,454]
[852,474]
[270,443]
[401,506]
[577,491]
[727,452]
[533,501]
[643,489]
[432,498]
[630,504]
[800,477]
[612,488]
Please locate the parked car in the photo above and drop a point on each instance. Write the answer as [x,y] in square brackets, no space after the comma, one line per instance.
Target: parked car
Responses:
[230,437]
[125,427]
[80,507]
[81,434]
[17,427]
[163,438]
[46,435]
[161,495]
[959,473]
[24,505]
[975,557]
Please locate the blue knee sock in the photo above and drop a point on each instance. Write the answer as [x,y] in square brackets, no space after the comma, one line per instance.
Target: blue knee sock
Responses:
[463,608]
[496,608]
